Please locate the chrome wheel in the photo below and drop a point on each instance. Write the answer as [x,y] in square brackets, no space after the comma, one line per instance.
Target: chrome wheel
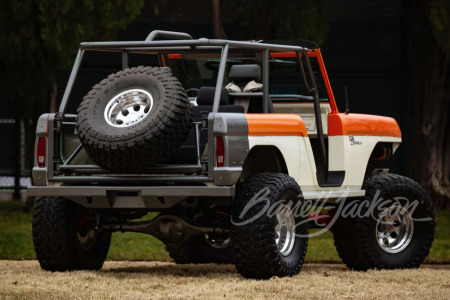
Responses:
[394,229]
[285,230]
[128,108]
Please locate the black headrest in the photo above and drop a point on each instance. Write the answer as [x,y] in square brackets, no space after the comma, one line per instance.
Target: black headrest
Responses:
[245,73]
[206,96]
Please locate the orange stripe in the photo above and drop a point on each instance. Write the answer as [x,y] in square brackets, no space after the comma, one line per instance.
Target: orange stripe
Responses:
[323,70]
[174,56]
[163,61]
[326,80]
[289,54]
[359,124]
[48,120]
[275,125]
[282,54]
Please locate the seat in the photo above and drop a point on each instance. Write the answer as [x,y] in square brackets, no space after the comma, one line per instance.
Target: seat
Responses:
[205,102]
[187,153]
[242,75]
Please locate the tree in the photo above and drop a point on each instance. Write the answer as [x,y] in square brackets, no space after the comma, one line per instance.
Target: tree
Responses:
[429,44]
[280,19]
[219,32]
[39,38]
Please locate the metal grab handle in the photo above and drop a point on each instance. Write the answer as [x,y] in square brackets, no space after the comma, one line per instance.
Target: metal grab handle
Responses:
[168,35]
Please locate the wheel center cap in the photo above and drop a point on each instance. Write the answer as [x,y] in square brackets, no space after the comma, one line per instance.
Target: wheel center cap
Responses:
[390,228]
[128,108]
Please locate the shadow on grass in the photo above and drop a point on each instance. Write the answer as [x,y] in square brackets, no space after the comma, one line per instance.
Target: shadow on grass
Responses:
[170,270]
[212,270]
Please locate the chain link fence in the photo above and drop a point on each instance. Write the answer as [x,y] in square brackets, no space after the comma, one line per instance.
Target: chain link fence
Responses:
[15,172]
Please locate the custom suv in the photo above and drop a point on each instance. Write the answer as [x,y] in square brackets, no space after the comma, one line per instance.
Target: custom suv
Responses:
[233,151]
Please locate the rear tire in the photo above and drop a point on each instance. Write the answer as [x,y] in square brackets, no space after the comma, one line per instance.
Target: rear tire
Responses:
[64,238]
[268,244]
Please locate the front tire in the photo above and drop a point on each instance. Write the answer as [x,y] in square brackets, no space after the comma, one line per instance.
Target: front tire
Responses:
[268,237]
[392,234]
[64,238]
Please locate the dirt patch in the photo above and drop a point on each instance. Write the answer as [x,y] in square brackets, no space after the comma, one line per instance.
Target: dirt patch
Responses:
[161,280]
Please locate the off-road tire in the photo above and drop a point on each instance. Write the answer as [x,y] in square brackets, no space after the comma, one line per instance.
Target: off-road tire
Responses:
[55,237]
[197,250]
[254,248]
[147,142]
[344,241]
[359,248]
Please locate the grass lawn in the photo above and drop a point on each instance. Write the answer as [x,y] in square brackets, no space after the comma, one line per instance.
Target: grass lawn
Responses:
[16,242]
[165,280]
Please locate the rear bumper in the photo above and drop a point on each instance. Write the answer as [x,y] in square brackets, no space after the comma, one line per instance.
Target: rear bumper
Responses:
[130,196]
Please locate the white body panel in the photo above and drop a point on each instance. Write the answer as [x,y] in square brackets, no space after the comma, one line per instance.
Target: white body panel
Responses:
[353,157]
[293,150]
[343,156]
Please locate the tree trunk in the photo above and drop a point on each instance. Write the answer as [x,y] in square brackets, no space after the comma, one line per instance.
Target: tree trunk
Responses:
[429,145]
[263,20]
[255,19]
[219,32]
[53,93]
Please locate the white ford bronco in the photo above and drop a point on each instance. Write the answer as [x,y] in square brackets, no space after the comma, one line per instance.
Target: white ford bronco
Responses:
[239,152]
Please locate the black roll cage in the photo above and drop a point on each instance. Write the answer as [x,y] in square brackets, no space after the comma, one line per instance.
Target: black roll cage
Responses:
[178,43]
[183,42]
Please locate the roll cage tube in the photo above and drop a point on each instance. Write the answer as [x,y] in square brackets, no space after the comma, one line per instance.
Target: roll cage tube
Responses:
[326,81]
[182,43]
[309,81]
[168,35]
[201,44]
[265,65]
[221,75]
[313,90]
[71,82]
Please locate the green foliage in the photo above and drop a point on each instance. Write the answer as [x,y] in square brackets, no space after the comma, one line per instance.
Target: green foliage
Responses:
[304,19]
[440,251]
[136,246]
[40,37]
[440,22]
[64,23]
[16,241]
[280,19]
[21,49]
[15,232]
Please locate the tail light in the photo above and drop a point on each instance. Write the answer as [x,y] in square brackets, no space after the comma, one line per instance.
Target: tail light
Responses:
[41,152]
[220,152]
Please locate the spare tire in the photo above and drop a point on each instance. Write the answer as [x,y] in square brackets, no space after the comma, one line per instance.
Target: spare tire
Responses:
[134,119]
